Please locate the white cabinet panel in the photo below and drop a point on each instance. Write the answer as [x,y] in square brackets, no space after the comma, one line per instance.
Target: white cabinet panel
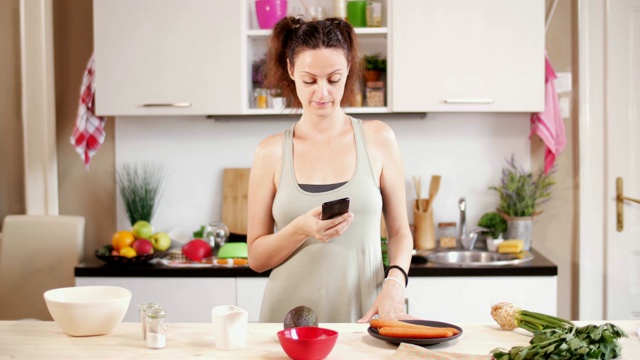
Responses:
[185,299]
[150,54]
[467,56]
[469,299]
[249,294]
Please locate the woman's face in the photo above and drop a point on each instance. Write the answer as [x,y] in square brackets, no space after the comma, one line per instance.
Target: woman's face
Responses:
[320,76]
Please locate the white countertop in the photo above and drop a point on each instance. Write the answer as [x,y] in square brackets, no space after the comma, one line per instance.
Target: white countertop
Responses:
[45,340]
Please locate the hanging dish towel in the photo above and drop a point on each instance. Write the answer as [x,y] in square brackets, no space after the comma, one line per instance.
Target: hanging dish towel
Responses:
[88,133]
[548,124]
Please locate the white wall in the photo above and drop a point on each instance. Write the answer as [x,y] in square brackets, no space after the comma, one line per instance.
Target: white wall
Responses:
[467,150]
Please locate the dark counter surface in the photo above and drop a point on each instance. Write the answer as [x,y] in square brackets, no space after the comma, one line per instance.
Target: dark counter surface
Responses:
[538,266]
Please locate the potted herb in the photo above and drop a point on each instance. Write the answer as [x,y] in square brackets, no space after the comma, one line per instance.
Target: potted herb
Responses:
[374,66]
[520,195]
[494,223]
[139,187]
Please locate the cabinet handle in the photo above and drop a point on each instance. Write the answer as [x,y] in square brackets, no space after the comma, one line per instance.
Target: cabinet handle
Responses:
[620,198]
[468,101]
[182,104]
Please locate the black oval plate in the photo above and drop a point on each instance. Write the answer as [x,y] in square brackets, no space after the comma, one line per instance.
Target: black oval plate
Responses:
[374,332]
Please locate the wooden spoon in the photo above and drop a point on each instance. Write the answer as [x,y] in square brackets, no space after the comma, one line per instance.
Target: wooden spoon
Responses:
[418,187]
[434,186]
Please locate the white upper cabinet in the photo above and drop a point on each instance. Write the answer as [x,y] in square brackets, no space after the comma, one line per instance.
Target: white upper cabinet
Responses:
[467,56]
[168,57]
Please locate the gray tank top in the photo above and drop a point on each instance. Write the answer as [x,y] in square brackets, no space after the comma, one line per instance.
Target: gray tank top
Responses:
[339,279]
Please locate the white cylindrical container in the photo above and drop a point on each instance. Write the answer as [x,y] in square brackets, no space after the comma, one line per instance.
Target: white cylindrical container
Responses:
[340,9]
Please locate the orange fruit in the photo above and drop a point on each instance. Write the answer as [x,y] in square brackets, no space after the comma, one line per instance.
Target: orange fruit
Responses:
[122,239]
[128,251]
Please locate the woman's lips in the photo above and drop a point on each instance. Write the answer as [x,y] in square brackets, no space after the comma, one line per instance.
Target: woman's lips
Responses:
[322,103]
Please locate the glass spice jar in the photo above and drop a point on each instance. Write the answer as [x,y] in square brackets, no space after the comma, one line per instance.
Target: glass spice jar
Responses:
[447,235]
[374,94]
[142,309]
[262,98]
[374,13]
[156,328]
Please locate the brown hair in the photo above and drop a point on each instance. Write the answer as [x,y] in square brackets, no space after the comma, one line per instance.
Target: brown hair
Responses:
[292,35]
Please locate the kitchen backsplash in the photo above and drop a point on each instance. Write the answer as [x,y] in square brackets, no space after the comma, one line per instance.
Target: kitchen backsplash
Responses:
[467,150]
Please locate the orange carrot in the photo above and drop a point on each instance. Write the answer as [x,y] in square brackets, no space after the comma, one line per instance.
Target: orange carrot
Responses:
[380,323]
[414,333]
[240,262]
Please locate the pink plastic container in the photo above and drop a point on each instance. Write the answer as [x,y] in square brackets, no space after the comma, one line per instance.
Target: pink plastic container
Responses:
[269,12]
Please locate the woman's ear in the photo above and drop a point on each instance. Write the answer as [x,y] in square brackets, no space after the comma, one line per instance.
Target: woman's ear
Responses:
[290,69]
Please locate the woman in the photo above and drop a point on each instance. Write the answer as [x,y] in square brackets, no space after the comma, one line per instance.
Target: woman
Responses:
[332,266]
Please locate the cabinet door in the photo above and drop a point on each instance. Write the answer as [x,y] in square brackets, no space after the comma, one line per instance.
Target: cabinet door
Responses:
[167,57]
[469,299]
[185,299]
[249,292]
[468,55]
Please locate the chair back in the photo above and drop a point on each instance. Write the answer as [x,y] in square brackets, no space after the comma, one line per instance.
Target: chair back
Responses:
[37,253]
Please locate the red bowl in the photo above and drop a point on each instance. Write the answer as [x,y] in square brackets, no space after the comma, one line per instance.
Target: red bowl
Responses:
[307,342]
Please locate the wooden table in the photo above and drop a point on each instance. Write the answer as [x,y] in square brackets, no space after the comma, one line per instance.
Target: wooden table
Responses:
[45,340]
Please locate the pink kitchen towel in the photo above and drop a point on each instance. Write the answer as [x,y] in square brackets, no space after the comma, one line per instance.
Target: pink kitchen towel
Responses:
[88,133]
[548,125]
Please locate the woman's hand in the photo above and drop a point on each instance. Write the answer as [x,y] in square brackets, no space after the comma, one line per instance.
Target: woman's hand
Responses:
[323,230]
[389,304]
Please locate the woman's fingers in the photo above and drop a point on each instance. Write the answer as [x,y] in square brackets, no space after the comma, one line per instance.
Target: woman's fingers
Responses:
[332,228]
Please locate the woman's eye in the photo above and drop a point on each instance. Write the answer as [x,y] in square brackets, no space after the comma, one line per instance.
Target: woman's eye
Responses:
[334,81]
[307,82]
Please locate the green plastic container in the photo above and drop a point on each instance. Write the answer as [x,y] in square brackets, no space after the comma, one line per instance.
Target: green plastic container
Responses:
[233,250]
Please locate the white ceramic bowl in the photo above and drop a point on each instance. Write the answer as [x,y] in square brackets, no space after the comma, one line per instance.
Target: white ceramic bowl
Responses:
[88,310]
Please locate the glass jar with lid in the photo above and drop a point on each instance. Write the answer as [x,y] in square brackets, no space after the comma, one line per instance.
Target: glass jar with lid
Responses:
[447,234]
[374,94]
[156,328]
[374,13]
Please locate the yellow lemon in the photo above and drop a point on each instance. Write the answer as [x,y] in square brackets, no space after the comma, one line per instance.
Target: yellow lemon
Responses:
[128,252]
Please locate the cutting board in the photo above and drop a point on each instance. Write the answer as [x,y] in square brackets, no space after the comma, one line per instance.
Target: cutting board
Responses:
[235,188]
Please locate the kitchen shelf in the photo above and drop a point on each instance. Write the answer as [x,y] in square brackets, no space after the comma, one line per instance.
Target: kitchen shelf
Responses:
[262,33]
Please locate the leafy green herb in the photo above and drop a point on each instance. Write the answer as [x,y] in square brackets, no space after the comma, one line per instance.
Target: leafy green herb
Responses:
[520,192]
[139,187]
[375,62]
[556,338]
[494,222]
[578,343]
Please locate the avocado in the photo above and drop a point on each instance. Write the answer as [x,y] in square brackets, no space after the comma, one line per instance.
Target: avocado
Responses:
[300,316]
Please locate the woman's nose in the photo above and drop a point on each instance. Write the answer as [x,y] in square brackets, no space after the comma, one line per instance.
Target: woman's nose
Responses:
[323,88]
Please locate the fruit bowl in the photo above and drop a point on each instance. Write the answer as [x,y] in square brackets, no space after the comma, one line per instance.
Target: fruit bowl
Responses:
[104,255]
[307,342]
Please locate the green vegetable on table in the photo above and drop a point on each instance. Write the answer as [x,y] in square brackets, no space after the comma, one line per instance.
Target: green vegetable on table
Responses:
[556,338]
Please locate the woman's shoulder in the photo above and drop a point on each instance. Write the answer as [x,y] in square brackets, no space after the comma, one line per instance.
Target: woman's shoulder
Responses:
[270,148]
[378,132]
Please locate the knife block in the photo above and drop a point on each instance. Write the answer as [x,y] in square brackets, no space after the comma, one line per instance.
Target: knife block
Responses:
[424,237]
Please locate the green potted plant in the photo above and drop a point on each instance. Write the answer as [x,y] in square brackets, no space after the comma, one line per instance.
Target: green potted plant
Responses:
[494,223]
[374,66]
[520,195]
[139,186]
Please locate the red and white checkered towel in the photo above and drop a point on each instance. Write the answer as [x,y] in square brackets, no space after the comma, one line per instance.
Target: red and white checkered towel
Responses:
[548,125]
[88,134]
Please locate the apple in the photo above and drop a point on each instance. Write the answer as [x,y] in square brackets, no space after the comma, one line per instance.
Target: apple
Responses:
[142,229]
[161,241]
[142,247]
[197,249]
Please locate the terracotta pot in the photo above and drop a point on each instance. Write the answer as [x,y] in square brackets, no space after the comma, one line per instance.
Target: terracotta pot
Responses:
[372,75]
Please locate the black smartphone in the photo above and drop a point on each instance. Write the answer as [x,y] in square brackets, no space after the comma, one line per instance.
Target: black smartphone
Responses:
[334,208]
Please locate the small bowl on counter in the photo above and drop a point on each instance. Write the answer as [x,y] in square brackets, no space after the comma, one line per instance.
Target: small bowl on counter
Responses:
[307,342]
[88,310]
